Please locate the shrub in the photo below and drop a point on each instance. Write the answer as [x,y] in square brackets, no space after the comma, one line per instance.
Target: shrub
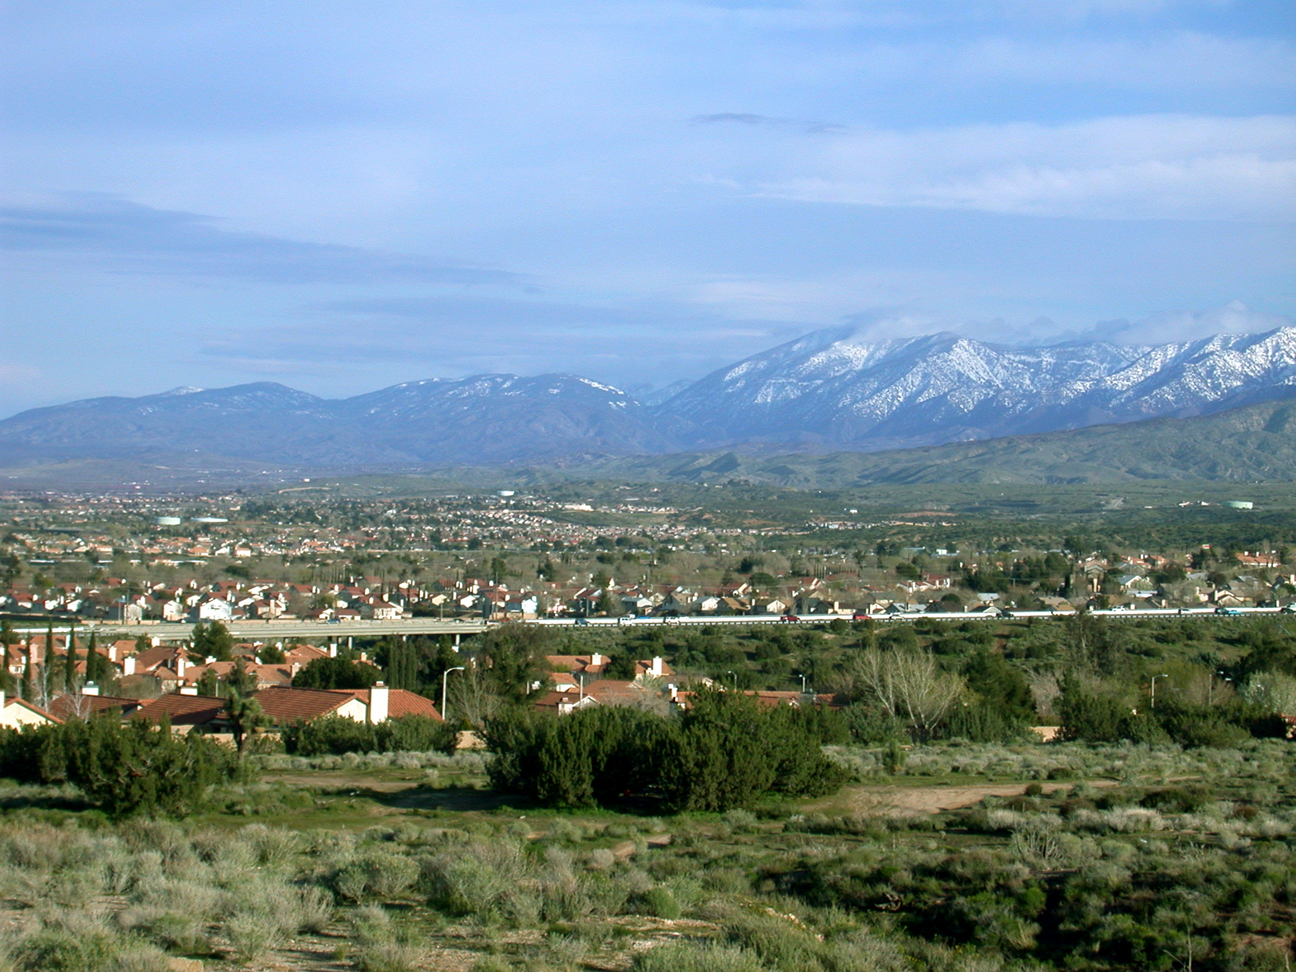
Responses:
[252,934]
[335,735]
[686,957]
[123,768]
[659,902]
[1092,715]
[725,752]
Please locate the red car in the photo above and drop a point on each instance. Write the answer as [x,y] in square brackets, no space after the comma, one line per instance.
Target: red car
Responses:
[860,616]
[789,617]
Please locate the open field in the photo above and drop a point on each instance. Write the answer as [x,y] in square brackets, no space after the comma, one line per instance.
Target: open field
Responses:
[970,857]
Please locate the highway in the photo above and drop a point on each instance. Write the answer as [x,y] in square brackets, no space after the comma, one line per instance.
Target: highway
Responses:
[276,630]
[263,631]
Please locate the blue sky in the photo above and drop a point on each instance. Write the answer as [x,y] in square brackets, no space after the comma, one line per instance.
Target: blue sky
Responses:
[342,196]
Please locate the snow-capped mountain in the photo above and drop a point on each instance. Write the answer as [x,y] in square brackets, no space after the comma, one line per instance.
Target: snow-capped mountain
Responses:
[833,389]
[827,390]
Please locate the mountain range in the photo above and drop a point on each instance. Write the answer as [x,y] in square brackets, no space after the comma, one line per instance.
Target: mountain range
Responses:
[828,391]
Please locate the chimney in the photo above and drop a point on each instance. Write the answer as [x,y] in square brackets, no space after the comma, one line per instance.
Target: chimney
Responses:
[332,649]
[378,699]
[90,688]
[188,690]
[596,660]
[128,665]
[656,669]
[180,662]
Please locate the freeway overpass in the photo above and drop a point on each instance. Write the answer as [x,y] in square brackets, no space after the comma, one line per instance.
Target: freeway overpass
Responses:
[277,630]
[263,631]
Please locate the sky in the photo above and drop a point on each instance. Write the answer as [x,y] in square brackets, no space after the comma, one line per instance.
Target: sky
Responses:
[342,196]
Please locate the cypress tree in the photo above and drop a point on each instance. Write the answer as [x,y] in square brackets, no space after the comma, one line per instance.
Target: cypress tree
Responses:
[69,660]
[47,665]
[7,640]
[27,690]
[94,662]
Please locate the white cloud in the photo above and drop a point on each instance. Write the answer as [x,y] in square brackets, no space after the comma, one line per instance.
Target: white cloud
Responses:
[1149,167]
[1234,317]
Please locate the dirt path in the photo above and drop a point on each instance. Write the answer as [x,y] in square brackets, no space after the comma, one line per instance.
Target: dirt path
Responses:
[911,801]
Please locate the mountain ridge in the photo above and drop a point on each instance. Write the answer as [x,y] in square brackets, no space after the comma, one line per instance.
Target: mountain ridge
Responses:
[825,391]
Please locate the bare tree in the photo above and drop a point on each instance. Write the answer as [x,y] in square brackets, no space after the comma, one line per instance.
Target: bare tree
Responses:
[1273,690]
[471,696]
[909,685]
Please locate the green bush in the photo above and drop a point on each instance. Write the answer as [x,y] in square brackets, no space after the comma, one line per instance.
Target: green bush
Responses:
[335,735]
[123,768]
[725,752]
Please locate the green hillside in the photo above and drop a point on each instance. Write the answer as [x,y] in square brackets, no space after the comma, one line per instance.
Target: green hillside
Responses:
[1254,443]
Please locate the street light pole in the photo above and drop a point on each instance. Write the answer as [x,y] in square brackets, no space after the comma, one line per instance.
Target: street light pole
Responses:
[1210,687]
[803,684]
[735,675]
[445,675]
[1154,678]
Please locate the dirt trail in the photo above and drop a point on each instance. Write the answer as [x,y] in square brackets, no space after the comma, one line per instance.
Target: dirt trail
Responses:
[909,801]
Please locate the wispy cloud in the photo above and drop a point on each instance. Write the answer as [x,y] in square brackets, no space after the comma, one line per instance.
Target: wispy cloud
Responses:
[1234,317]
[453,336]
[120,236]
[742,118]
[1151,167]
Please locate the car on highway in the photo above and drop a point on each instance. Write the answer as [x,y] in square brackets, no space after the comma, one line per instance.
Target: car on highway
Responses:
[580,621]
[1227,610]
[860,616]
[790,617]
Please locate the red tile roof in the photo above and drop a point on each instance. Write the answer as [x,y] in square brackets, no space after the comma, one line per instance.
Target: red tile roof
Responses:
[183,710]
[287,705]
[80,706]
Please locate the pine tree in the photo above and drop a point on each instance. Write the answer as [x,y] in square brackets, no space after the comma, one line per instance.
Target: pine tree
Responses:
[245,714]
[211,641]
[208,685]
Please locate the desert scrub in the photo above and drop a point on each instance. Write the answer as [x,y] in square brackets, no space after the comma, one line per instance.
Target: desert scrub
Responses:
[75,941]
[462,762]
[380,944]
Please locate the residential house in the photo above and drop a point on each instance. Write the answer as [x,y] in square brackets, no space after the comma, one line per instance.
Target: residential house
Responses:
[16,713]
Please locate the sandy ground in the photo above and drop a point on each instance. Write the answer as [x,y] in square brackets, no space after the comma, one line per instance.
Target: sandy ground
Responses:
[912,801]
